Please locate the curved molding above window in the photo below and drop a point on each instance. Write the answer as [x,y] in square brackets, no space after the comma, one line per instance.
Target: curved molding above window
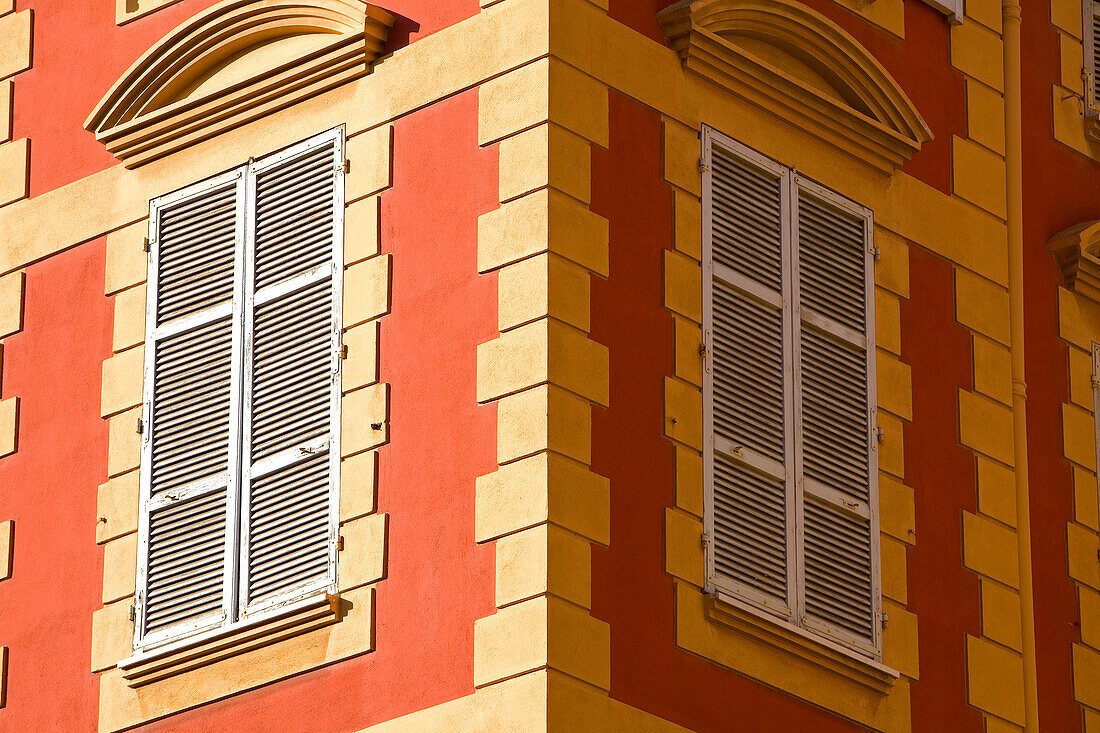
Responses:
[1077,252]
[797,64]
[231,64]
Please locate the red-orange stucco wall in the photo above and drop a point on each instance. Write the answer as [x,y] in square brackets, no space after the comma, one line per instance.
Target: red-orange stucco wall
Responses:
[49,488]
[941,592]
[439,580]
[79,52]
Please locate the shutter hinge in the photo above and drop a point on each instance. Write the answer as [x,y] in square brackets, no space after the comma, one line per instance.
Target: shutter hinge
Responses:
[876,253]
[885,620]
[346,167]
[704,540]
[880,434]
[704,166]
[339,543]
[133,616]
[140,426]
[343,353]
[146,245]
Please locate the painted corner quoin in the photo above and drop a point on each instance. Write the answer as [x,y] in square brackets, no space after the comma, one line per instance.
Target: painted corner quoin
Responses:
[524,357]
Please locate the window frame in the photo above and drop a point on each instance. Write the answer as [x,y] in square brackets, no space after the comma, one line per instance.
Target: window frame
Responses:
[789,611]
[235,613]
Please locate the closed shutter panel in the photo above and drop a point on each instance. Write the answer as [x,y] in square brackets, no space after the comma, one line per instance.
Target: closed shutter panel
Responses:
[190,421]
[1096,396]
[1092,53]
[747,405]
[290,451]
[835,418]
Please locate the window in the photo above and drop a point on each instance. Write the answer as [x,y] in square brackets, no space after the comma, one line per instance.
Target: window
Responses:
[791,469]
[1091,27]
[240,453]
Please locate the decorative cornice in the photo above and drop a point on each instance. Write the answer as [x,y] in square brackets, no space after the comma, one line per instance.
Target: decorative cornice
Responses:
[1077,252]
[863,110]
[171,98]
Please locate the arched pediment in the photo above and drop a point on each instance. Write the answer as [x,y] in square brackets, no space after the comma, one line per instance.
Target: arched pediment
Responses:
[786,58]
[236,61]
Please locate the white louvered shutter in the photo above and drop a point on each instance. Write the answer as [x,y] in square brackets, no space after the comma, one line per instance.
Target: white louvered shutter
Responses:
[1092,53]
[748,401]
[1096,398]
[292,394]
[836,403]
[190,418]
[789,396]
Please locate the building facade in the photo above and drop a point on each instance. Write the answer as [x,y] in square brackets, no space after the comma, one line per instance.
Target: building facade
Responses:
[717,365]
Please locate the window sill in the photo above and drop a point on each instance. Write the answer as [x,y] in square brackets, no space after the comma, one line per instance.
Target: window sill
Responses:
[729,612]
[1092,126]
[299,618]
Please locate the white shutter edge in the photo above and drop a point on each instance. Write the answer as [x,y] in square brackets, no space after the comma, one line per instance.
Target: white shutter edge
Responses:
[841,635]
[723,588]
[1096,402]
[709,576]
[792,340]
[153,335]
[335,271]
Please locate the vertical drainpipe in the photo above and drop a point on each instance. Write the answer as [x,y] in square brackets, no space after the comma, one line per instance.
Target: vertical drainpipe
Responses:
[1010,11]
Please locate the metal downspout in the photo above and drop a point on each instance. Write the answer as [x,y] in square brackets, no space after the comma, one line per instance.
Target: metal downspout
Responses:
[1010,11]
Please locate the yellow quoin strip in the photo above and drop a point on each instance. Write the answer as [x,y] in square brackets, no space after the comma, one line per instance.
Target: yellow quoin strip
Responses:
[543,507]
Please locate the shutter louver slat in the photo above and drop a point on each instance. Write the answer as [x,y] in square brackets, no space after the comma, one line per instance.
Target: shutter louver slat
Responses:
[750,527]
[191,436]
[196,245]
[838,592]
[289,525]
[834,414]
[748,408]
[746,213]
[185,569]
[294,217]
[831,263]
[290,398]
